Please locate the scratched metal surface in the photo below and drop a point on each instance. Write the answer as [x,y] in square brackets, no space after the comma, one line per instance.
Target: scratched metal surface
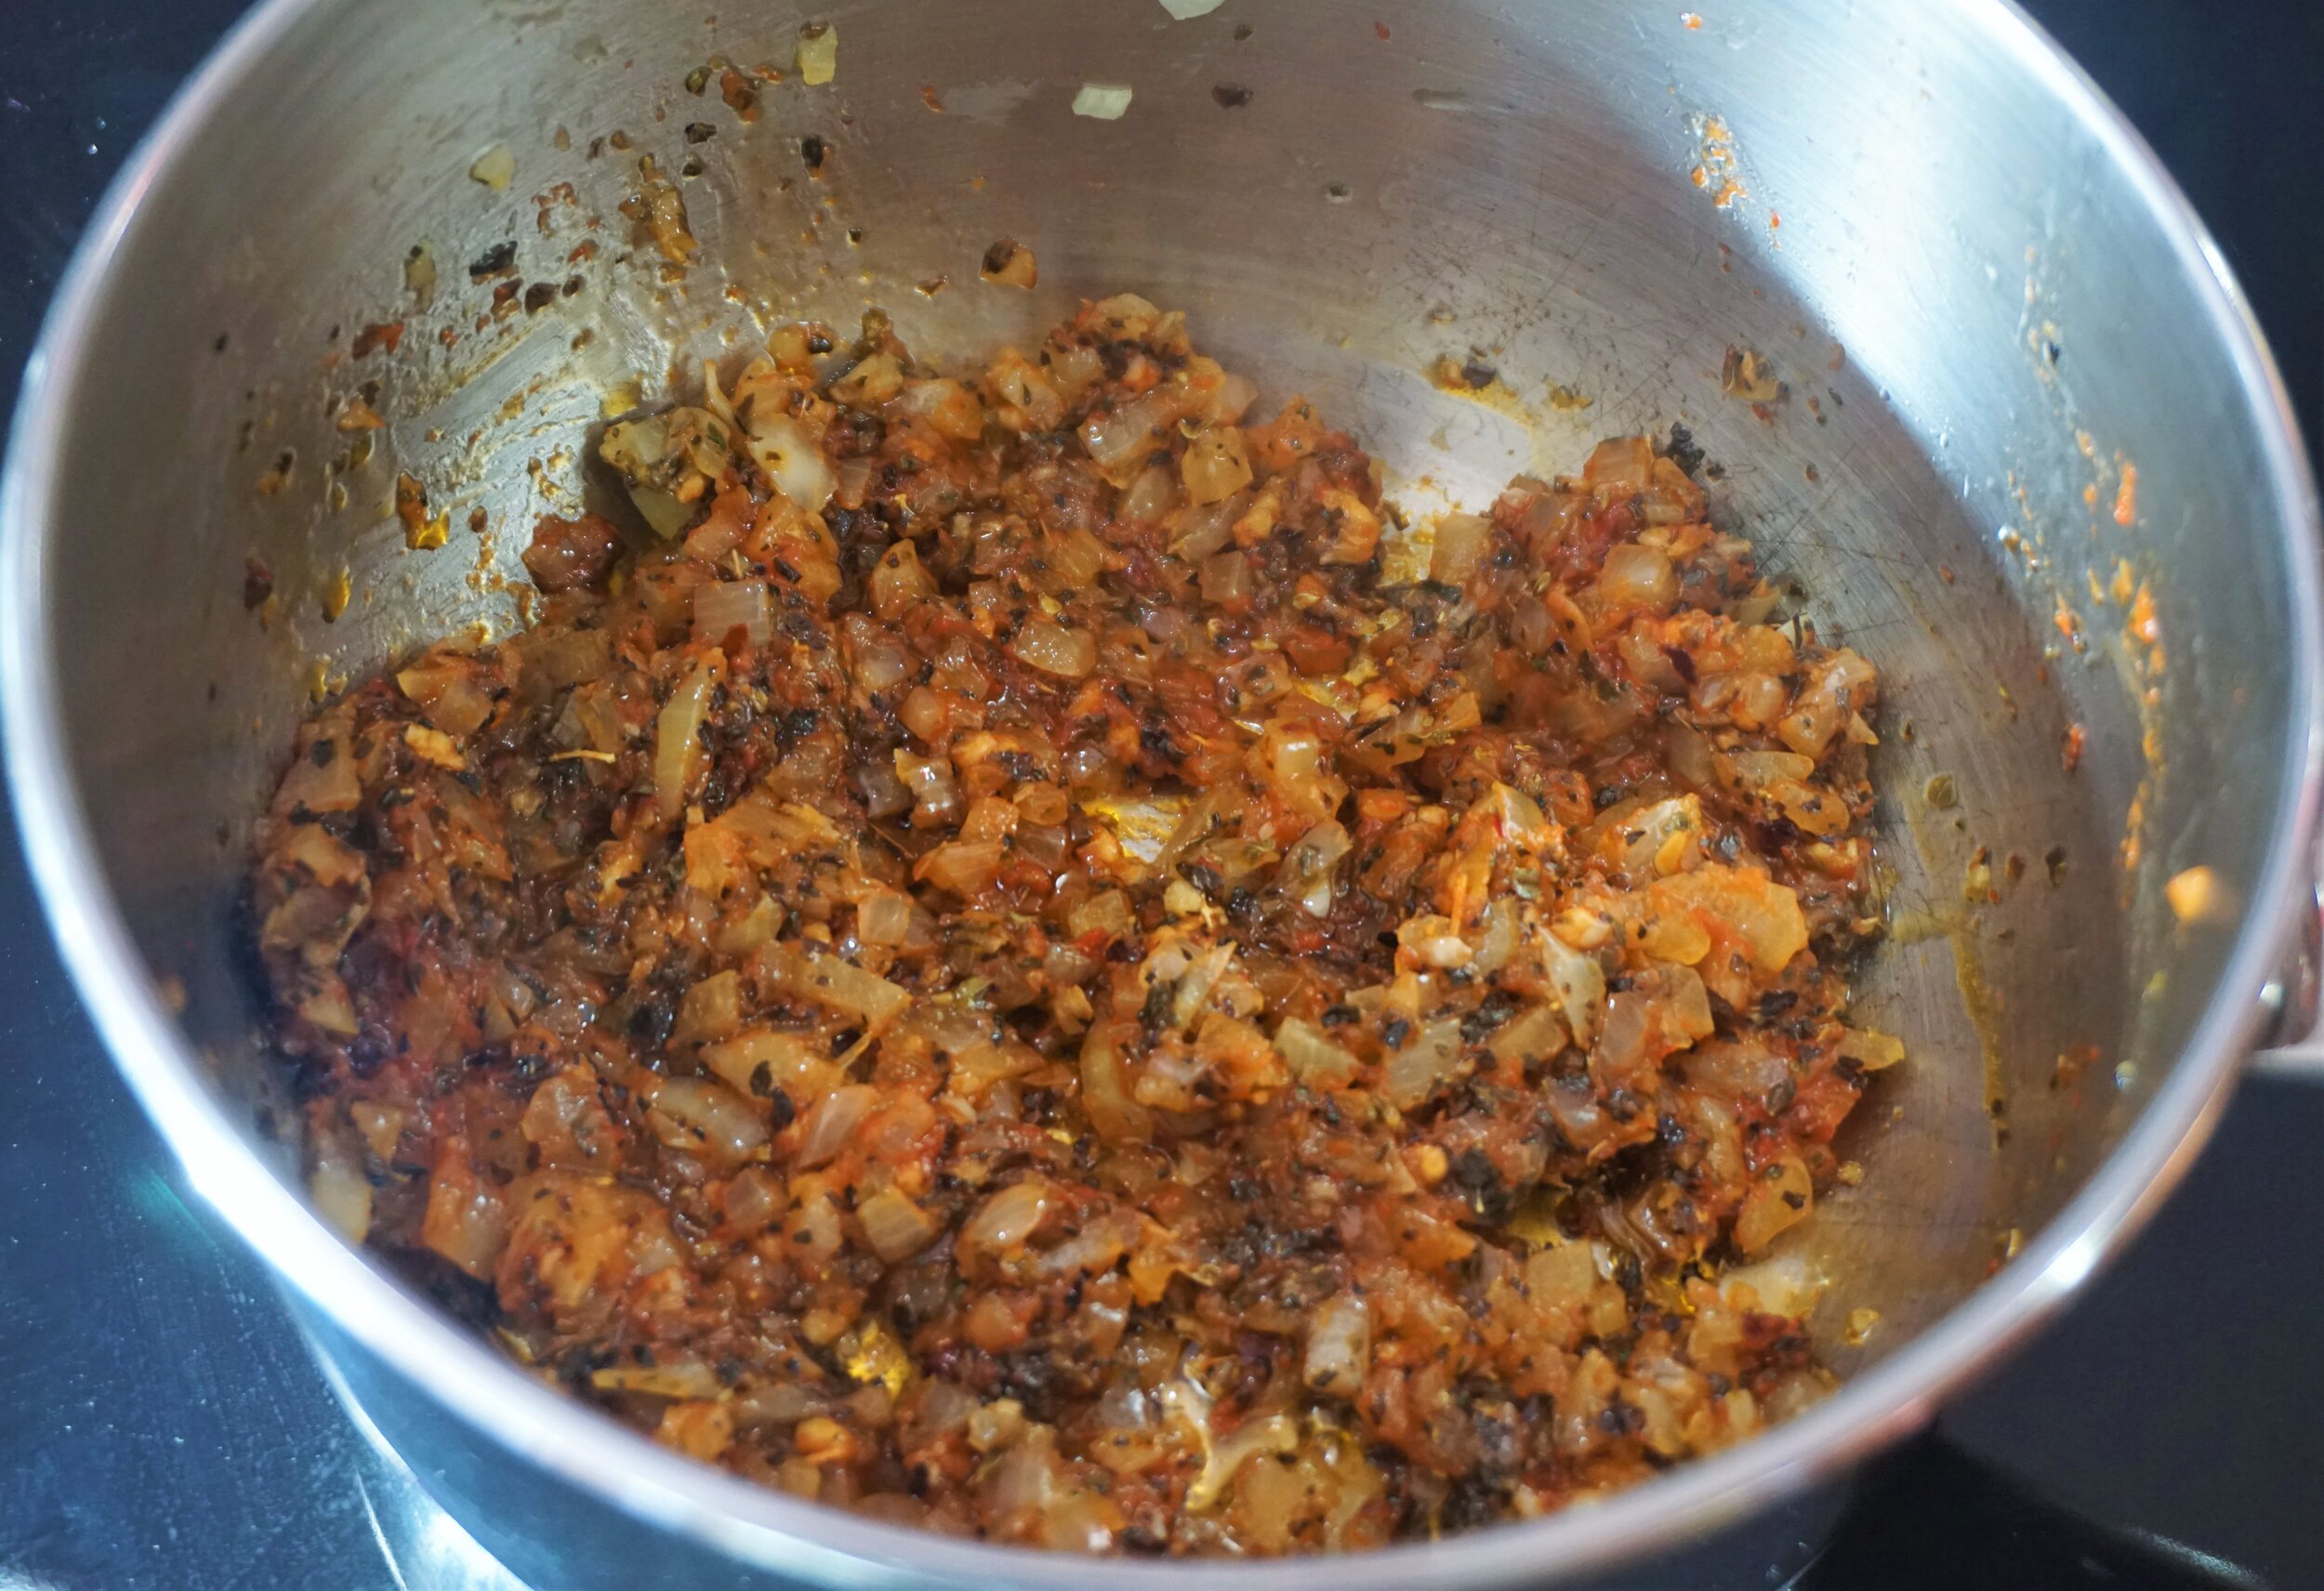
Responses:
[160,1425]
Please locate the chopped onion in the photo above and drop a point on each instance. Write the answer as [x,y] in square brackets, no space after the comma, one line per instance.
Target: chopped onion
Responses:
[818,55]
[1215,466]
[1070,654]
[1462,541]
[1226,579]
[883,917]
[791,457]
[723,606]
[1873,1051]
[1580,985]
[1306,873]
[1428,1059]
[815,974]
[962,866]
[1312,1057]
[833,1121]
[900,583]
[1339,1348]
[1009,1216]
[677,733]
[1120,441]
[897,1228]
[1533,1034]
[1103,101]
[713,1120]
[1637,576]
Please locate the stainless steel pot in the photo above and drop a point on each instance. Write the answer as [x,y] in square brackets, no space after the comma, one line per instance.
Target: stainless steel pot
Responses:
[1987,303]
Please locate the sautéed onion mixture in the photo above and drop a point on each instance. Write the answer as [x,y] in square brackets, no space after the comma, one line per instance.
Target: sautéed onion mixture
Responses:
[998,961]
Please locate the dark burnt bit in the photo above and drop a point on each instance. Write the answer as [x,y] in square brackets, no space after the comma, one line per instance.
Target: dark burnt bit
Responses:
[1477,374]
[540,296]
[814,151]
[1683,450]
[257,582]
[1231,95]
[497,260]
[700,132]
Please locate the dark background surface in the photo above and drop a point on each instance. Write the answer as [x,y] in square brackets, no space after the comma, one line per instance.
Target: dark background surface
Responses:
[161,1426]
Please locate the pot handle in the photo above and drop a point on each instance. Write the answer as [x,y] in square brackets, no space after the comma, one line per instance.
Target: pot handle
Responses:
[2294,1048]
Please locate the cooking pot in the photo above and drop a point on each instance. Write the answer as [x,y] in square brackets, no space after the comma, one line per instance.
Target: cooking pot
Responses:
[1962,362]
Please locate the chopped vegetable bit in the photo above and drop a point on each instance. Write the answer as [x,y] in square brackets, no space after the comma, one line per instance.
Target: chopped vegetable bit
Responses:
[494,167]
[1101,101]
[1008,956]
[818,54]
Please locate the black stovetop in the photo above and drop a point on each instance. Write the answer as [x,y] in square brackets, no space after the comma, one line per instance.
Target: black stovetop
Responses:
[162,1428]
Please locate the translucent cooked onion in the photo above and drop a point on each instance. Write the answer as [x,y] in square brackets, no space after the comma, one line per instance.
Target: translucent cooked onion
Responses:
[1312,1057]
[722,606]
[1119,441]
[1429,1060]
[900,583]
[790,456]
[1009,1216]
[813,974]
[883,917]
[1462,542]
[1580,985]
[1308,867]
[832,1123]
[1214,465]
[677,754]
[716,1121]
[1069,654]
[1339,1348]
[895,1227]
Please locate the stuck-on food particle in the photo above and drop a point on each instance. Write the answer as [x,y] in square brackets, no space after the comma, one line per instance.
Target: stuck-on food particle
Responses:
[387,335]
[1942,793]
[494,167]
[2199,894]
[1231,95]
[336,597]
[274,479]
[421,530]
[419,276]
[1747,375]
[497,260]
[357,415]
[1011,264]
[1101,101]
[257,582]
[661,209]
[818,54]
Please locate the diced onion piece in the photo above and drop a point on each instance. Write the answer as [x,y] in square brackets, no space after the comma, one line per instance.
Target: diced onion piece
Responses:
[1533,1034]
[1312,1057]
[1462,542]
[712,1120]
[832,1123]
[1120,441]
[678,753]
[1215,466]
[900,583]
[1637,576]
[1429,1060]
[818,54]
[814,973]
[894,1226]
[496,168]
[722,606]
[711,1009]
[1276,1434]
[1763,914]
[791,457]
[1872,1051]
[1580,985]
[1308,866]
[1009,1216]
[1780,1198]
[964,867]
[1339,1348]
[340,1190]
[1101,101]
[1052,648]
[884,917]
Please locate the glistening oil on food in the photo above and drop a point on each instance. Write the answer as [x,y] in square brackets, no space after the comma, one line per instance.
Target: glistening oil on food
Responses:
[992,961]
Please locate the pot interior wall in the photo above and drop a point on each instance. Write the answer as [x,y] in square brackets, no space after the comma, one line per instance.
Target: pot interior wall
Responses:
[1952,289]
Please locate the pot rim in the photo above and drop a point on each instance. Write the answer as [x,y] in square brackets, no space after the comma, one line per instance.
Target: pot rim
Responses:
[810,1542]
